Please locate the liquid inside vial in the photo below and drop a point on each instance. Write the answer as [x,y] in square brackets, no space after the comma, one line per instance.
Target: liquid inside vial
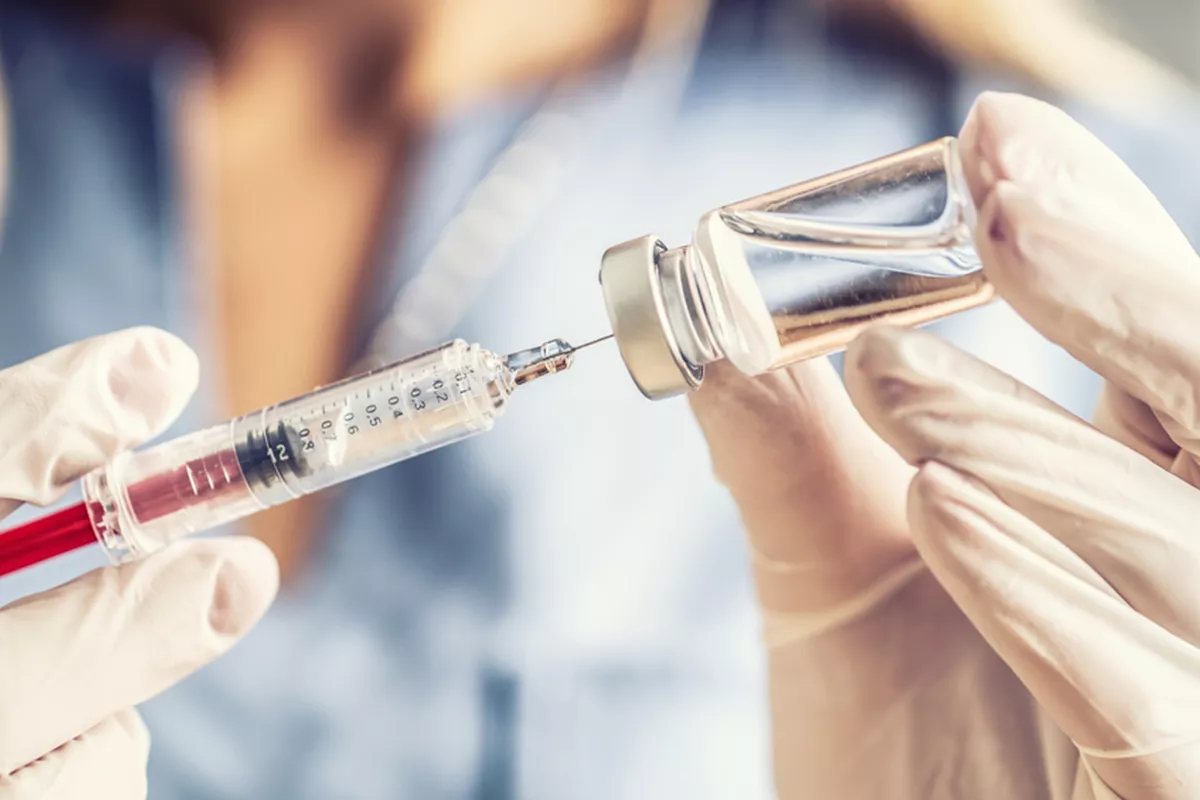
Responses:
[799,272]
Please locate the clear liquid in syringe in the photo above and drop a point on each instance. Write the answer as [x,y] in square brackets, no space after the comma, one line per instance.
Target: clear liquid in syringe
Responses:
[358,425]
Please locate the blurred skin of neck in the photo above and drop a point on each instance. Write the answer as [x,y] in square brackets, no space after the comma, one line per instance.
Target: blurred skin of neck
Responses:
[292,193]
[295,143]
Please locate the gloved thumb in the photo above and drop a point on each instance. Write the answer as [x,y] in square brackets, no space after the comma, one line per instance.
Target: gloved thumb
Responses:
[822,497]
[117,636]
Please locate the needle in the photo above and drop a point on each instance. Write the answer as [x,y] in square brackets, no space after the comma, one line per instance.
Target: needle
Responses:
[545,359]
[604,338]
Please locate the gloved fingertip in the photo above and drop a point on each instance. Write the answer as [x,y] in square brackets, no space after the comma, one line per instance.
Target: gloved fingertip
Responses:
[936,483]
[1018,138]
[976,144]
[1013,137]
[921,394]
[131,722]
[948,511]
[887,366]
[231,579]
[244,586]
[152,374]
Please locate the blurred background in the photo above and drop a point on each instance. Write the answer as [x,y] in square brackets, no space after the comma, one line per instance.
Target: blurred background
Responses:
[561,608]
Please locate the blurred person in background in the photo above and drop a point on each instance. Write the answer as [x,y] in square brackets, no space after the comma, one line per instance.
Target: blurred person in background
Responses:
[534,614]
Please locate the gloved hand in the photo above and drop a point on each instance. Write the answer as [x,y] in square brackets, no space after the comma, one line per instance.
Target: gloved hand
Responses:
[1013,612]
[75,660]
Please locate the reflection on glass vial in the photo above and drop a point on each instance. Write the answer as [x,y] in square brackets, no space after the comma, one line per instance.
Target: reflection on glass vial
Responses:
[798,272]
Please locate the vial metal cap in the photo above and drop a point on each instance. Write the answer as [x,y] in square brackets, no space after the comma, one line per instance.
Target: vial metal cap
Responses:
[633,294]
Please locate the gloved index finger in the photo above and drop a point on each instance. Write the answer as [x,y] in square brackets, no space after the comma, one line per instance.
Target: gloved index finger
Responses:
[117,636]
[70,410]
[1082,250]
[1009,137]
[1067,550]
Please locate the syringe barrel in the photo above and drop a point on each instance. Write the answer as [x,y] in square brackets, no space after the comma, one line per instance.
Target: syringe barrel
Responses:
[141,501]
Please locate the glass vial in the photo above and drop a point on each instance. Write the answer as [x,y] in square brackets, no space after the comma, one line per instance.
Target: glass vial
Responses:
[799,272]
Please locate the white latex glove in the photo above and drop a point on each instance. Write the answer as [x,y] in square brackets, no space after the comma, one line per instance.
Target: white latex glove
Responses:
[1018,616]
[75,660]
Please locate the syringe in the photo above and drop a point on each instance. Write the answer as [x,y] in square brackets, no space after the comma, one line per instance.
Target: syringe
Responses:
[141,501]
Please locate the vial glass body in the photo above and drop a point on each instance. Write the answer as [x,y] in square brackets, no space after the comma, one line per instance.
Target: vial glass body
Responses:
[799,272]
